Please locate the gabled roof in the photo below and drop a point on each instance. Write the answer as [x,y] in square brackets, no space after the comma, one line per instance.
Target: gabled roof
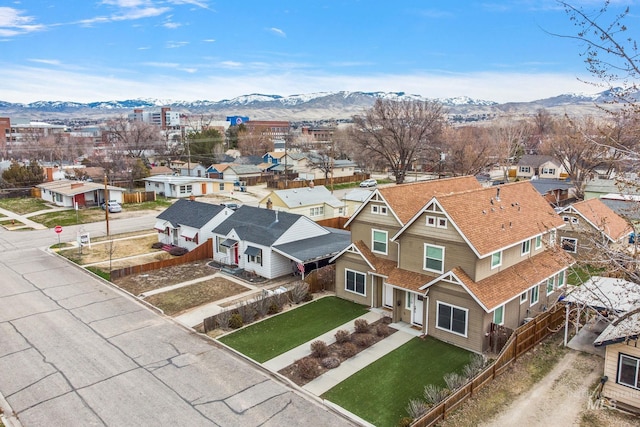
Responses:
[220,167]
[69,187]
[307,196]
[537,160]
[602,218]
[276,154]
[244,169]
[544,185]
[262,226]
[494,218]
[405,200]
[606,293]
[509,283]
[190,213]
[315,248]
[622,329]
[381,266]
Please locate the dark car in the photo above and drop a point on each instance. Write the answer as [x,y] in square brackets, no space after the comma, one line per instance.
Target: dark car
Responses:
[232,206]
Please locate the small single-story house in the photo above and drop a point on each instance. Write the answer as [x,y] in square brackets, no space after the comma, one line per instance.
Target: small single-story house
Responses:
[192,169]
[188,223]
[558,192]
[621,387]
[68,193]
[160,170]
[354,199]
[272,244]
[588,220]
[316,202]
[540,166]
[186,186]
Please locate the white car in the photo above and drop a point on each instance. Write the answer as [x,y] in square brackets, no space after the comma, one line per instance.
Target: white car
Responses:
[114,206]
[369,183]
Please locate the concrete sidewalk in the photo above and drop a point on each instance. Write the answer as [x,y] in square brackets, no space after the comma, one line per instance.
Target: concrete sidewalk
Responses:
[361,360]
[24,221]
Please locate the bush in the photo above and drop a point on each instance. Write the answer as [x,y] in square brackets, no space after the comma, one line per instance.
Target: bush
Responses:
[261,306]
[319,349]
[331,362]
[235,321]
[299,292]
[342,336]
[222,319]
[274,308]
[308,297]
[349,349]
[363,340]
[178,251]
[454,380]
[405,422]
[382,330]
[417,408]
[361,325]
[434,394]
[247,311]
[474,366]
[157,245]
[308,368]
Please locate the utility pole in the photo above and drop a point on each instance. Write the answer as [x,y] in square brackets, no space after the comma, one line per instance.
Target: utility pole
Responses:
[106,203]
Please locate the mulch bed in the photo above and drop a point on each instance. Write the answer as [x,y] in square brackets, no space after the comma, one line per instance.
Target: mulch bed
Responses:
[308,368]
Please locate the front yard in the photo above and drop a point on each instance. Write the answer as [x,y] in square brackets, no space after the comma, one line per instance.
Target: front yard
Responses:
[381,392]
[271,337]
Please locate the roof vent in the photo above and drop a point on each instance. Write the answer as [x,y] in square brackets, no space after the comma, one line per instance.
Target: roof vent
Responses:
[498,194]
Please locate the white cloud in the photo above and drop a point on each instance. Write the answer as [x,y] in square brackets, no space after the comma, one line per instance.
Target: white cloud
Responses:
[209,40]
[172,25]
[176,45]
[46,61]
[13,22]
[277,31]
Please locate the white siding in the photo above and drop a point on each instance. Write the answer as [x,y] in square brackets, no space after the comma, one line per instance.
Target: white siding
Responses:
[304,228]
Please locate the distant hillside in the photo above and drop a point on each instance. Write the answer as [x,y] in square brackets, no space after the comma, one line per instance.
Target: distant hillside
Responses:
[303,107]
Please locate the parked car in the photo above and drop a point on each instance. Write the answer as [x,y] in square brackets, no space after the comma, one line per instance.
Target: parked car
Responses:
[369,183]
[113,206]
[299,179]
[230,205]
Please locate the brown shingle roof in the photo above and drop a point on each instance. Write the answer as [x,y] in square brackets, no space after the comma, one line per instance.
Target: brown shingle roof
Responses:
[491,222]
[382,266]
[408,279]
[602,217]
[507,284]
[407,199]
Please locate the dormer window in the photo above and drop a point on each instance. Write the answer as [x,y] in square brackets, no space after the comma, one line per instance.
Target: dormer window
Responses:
[378,210]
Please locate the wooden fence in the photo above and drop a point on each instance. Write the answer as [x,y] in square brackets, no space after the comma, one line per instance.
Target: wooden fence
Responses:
[322,279]
[139,197]
[522,340]
[204,251]
[337,222]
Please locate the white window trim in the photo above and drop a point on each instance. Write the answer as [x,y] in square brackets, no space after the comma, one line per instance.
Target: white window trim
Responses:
[466,318]
[441,223]
[574,220]
[525,294]
[424,258]
[375,209]
[386,241]
[531,301]
[524,252]
[431,217]
[538,244]
[346,271]
[378,209]
[637,360]
[562,279]
[575,245]
[499,261]
[502,307]
[383,210]
[553,285]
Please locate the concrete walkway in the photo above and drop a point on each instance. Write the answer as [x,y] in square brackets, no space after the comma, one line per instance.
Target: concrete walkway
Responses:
[361,360]
[23,221]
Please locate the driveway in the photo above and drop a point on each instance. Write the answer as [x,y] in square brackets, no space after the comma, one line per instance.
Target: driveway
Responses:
[75,351]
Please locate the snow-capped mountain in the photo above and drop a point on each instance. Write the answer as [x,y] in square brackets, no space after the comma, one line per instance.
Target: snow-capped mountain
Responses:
[311,106]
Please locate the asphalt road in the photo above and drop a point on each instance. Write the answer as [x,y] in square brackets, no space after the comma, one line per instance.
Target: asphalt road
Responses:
[75,351]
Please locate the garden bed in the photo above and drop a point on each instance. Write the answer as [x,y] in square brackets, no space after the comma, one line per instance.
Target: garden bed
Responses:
[308,368]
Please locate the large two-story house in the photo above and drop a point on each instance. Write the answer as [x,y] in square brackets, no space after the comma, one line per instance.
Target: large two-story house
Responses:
[454,258]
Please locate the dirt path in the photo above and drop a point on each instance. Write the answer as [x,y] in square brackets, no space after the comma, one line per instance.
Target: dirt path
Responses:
[559,398]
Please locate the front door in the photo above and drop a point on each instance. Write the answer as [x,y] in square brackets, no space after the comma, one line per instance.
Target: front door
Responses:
[387,299]
[417,307]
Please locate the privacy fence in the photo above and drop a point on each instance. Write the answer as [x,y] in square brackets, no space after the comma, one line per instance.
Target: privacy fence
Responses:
[522,340]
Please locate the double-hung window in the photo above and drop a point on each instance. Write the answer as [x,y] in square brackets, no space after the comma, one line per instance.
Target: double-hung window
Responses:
[628,371]
[534,295]
[355,282]
[498,315]
[379,241]
[434,258]
[452,319]
[496,259]
[550,283]
[526,247]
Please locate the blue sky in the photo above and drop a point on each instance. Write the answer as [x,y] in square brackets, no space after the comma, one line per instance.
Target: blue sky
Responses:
[87,50]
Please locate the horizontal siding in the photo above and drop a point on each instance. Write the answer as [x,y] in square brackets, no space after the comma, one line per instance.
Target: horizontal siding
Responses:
[352,262]
[303,228]
[455,254]
[612,390]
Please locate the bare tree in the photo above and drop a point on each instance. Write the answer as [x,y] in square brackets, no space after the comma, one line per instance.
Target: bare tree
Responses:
[469,150]
[254,141]
[133,138]
[399,132]
[509,135]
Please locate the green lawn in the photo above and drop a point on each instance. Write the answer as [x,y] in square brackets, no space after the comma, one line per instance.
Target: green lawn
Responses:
[578,274]
[380,392]
[23,205]
[271,337]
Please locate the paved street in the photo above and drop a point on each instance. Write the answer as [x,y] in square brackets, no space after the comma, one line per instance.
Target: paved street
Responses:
[75,351]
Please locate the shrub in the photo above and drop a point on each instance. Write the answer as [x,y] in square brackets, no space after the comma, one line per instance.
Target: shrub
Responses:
[363,340]
[405,422]
[222,319]
[308,368]
[331,362]
[274,308]
[235,321]
[349,349]
[417,408]
[261,306]
[454,380]
[247,311]
[434,394]
[474,366]
[342,336]
[178,251]
[319,349]
[361,325]
[299,292]
[157,245]
[382,330]
[308,297]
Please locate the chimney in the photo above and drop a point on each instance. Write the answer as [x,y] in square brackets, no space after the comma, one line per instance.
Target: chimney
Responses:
[192,197]
[77,184]
[498,194]
[269,203]
[276,216]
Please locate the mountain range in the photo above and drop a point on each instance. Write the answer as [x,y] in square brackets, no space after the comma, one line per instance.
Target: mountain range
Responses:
[314,106]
